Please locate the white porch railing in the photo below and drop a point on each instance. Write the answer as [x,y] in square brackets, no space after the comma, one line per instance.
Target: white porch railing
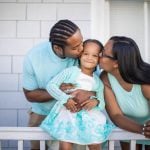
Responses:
[35,133]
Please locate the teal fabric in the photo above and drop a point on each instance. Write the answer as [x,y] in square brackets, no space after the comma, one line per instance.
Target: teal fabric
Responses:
[41,65]
[70,75]
[83,127]
[133,104]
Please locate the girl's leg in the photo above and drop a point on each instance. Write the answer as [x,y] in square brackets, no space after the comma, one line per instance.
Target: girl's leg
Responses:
[126,146]
[95,147]
[65,145]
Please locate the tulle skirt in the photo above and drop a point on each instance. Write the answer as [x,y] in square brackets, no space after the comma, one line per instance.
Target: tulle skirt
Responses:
[83,127]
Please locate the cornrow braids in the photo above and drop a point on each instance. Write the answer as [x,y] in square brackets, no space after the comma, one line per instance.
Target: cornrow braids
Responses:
[61,31]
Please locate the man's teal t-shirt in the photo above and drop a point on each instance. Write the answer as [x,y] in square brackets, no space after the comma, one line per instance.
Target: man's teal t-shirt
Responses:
[41,64]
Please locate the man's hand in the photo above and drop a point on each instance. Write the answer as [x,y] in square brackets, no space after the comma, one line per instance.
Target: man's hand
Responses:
[82,95]
[89,104]
[79,95]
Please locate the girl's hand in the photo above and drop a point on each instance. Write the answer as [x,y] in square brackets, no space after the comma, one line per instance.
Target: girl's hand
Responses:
[71,105]
[89,104]
[146,129]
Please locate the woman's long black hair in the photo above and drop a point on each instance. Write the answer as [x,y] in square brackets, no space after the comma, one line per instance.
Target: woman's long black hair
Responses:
[130,63]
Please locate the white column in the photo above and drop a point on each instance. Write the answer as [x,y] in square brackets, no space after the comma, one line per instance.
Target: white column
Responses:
[107,21]
[97,19]
[146,29]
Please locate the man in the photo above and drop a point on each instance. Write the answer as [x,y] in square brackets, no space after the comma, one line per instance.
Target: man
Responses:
[43,62]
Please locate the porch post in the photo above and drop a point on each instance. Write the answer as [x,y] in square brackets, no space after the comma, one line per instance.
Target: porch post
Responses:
[100,19]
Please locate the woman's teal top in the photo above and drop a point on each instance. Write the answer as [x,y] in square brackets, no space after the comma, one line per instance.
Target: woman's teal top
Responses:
[132,103]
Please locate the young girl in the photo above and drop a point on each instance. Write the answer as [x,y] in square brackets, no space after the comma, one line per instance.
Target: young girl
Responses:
[85,126]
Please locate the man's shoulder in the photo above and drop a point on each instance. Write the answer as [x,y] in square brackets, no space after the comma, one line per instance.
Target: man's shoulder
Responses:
[38,51]
[41,47]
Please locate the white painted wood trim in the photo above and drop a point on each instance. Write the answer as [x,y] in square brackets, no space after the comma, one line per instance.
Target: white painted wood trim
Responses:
[133,145]
[111,145]
[107,21]
[42,145]
[97,19]
[20,144]
[36,133]
[25,133]
[146,29]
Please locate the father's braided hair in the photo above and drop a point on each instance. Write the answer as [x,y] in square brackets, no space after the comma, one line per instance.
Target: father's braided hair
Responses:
[61,31]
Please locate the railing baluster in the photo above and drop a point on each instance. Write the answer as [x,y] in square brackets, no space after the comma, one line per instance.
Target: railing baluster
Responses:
[133,145]
[111,145]
[42,145]
[20,144]
[0,145]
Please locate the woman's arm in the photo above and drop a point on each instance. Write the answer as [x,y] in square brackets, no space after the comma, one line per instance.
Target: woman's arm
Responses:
[114,111]
[146,91]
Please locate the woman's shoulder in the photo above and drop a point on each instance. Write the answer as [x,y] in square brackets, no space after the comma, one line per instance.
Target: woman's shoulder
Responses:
[146,90]
[105,79]
[103,75]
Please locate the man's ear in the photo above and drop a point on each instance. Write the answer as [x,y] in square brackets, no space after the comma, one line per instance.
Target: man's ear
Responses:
[58,50]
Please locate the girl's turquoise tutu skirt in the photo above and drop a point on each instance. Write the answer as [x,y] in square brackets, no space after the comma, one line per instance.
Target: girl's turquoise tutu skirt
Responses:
[83,127]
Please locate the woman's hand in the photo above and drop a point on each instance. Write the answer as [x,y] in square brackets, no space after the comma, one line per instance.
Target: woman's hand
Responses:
[71,105]
[146,129]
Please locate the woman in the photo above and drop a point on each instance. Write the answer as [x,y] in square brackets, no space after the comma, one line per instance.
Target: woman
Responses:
[126,78]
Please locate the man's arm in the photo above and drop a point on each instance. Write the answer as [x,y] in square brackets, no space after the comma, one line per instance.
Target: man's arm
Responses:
[38,95]
[82,95]
[30,84]
[79,95]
